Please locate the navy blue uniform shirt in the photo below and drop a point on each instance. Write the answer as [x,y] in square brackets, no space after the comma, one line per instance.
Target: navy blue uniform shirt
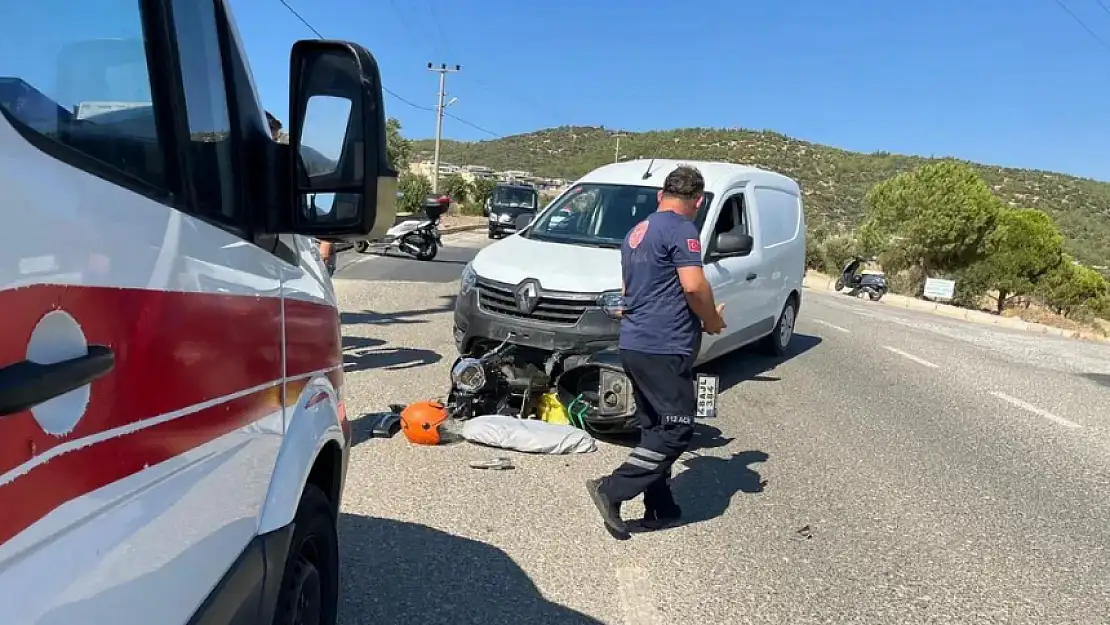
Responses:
[657,319]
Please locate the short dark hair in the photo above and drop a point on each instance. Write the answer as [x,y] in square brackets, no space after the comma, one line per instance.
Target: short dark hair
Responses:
[273,121]
[684,183]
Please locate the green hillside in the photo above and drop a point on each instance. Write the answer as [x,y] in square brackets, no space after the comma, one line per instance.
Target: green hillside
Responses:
[835,181]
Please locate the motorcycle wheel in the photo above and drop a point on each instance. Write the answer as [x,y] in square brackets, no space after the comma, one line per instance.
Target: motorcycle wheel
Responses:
[428,248]
[839,284]
[361,246]
[875,295]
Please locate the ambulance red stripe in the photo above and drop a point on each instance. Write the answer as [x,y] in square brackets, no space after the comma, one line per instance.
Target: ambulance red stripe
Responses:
[174,350]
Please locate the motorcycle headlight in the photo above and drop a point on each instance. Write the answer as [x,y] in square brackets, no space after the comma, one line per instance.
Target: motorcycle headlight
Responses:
[505,218]
[468,375]
[611,303]
[467,280]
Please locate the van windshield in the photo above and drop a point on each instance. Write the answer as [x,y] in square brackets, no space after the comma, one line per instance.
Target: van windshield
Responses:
[598,215]
[514,197]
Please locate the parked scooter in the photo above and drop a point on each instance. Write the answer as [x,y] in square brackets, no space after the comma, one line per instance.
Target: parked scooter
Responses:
[418,238]
[869,282]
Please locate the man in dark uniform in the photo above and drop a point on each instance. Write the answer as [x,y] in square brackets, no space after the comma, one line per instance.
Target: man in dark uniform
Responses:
[668,304]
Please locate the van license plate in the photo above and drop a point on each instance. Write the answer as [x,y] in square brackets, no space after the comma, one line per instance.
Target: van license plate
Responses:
[706,391]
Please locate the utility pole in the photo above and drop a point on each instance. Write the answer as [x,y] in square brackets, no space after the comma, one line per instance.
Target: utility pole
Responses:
[617,150]
[443,70]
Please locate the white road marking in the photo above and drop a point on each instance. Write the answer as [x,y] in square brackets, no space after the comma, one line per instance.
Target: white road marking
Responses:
[832,325]
[920,361]
[637,601]
[1035,410]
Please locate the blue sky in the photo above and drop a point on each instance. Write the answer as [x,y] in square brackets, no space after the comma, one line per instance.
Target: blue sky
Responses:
[1015,82]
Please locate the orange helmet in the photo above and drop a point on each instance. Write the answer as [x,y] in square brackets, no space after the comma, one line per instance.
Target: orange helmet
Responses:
[421,422]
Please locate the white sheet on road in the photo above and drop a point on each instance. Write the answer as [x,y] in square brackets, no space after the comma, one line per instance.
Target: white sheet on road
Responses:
[527,435]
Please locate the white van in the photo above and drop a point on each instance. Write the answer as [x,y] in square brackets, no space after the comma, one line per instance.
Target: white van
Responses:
[173,437]
[555,283]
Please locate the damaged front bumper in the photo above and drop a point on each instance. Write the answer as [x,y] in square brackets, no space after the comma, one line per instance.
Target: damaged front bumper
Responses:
[591,332]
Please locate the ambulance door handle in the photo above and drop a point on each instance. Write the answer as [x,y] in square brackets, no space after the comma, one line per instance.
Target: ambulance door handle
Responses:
[750,277]
[26,384]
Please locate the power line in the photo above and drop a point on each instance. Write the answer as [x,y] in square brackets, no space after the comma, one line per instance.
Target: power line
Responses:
[412,104]
[1083,24]
[527,103]
[1102,5]
[472,125]
[309,26]
[303,20]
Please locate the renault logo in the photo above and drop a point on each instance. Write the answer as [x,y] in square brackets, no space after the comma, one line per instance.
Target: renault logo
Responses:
[527,296]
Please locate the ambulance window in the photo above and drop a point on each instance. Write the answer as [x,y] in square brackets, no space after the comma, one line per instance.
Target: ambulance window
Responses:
[211,152]
[81,90]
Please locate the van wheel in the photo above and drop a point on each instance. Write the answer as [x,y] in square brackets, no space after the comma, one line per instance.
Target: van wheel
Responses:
[777,342]
[361,246]
[310,584]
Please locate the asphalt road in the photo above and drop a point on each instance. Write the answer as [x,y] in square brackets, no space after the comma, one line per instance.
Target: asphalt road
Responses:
[398,266]
[898,468]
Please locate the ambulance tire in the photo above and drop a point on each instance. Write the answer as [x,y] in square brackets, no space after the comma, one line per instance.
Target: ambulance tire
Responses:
[310,584]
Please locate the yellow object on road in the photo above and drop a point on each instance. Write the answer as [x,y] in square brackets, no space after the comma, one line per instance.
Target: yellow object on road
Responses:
[551,410]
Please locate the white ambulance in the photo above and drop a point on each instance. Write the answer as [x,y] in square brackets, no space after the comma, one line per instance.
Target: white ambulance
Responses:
[173,440]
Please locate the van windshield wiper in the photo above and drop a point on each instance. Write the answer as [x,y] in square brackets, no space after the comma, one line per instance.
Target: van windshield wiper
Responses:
[574,241]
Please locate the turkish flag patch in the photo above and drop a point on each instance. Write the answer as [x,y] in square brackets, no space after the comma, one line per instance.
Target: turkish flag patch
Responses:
[693,245]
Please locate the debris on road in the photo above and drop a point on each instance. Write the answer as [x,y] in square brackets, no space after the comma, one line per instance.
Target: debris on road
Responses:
[385,424]
[500,463]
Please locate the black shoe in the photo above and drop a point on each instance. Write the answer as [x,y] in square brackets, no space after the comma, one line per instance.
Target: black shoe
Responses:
[655,520]
[610,512]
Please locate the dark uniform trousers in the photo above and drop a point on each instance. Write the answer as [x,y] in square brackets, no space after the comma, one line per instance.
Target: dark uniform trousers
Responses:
[663,385]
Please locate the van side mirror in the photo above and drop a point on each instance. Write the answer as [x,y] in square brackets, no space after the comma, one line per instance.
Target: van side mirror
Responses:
[733,244]
[343,184]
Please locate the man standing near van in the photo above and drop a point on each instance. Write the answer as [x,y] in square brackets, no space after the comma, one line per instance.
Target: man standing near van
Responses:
[668,304]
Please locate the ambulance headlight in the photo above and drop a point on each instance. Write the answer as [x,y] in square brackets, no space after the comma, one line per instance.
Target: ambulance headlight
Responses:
[467,280]
[468,376]
[611,303]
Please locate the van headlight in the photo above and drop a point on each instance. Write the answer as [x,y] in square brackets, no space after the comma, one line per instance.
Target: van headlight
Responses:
[505,218]
[468,375]
[493,216]
[468,279]
[611,303]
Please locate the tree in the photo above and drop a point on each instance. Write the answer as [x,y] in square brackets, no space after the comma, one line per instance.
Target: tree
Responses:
[836,251]
[1069,288]
[482,189]
[456,187]
[935,217]
[1024,246]
[414,188]
[398,147]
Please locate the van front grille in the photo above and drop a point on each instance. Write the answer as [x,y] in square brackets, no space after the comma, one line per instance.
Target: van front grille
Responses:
[552,307]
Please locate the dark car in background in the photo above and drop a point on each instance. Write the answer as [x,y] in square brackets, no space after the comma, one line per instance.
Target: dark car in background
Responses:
[506,204]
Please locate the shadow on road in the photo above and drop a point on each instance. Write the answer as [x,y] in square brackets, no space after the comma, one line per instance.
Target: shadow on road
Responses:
[372,317]
[1098,378]
[705,437]
[397,572]
[747,365]
[361,353]
[705,489]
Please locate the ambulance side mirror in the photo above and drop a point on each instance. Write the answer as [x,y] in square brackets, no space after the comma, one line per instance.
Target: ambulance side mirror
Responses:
[343,184]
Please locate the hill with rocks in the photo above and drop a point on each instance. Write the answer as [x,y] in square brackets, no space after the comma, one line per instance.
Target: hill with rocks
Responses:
[835,181]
